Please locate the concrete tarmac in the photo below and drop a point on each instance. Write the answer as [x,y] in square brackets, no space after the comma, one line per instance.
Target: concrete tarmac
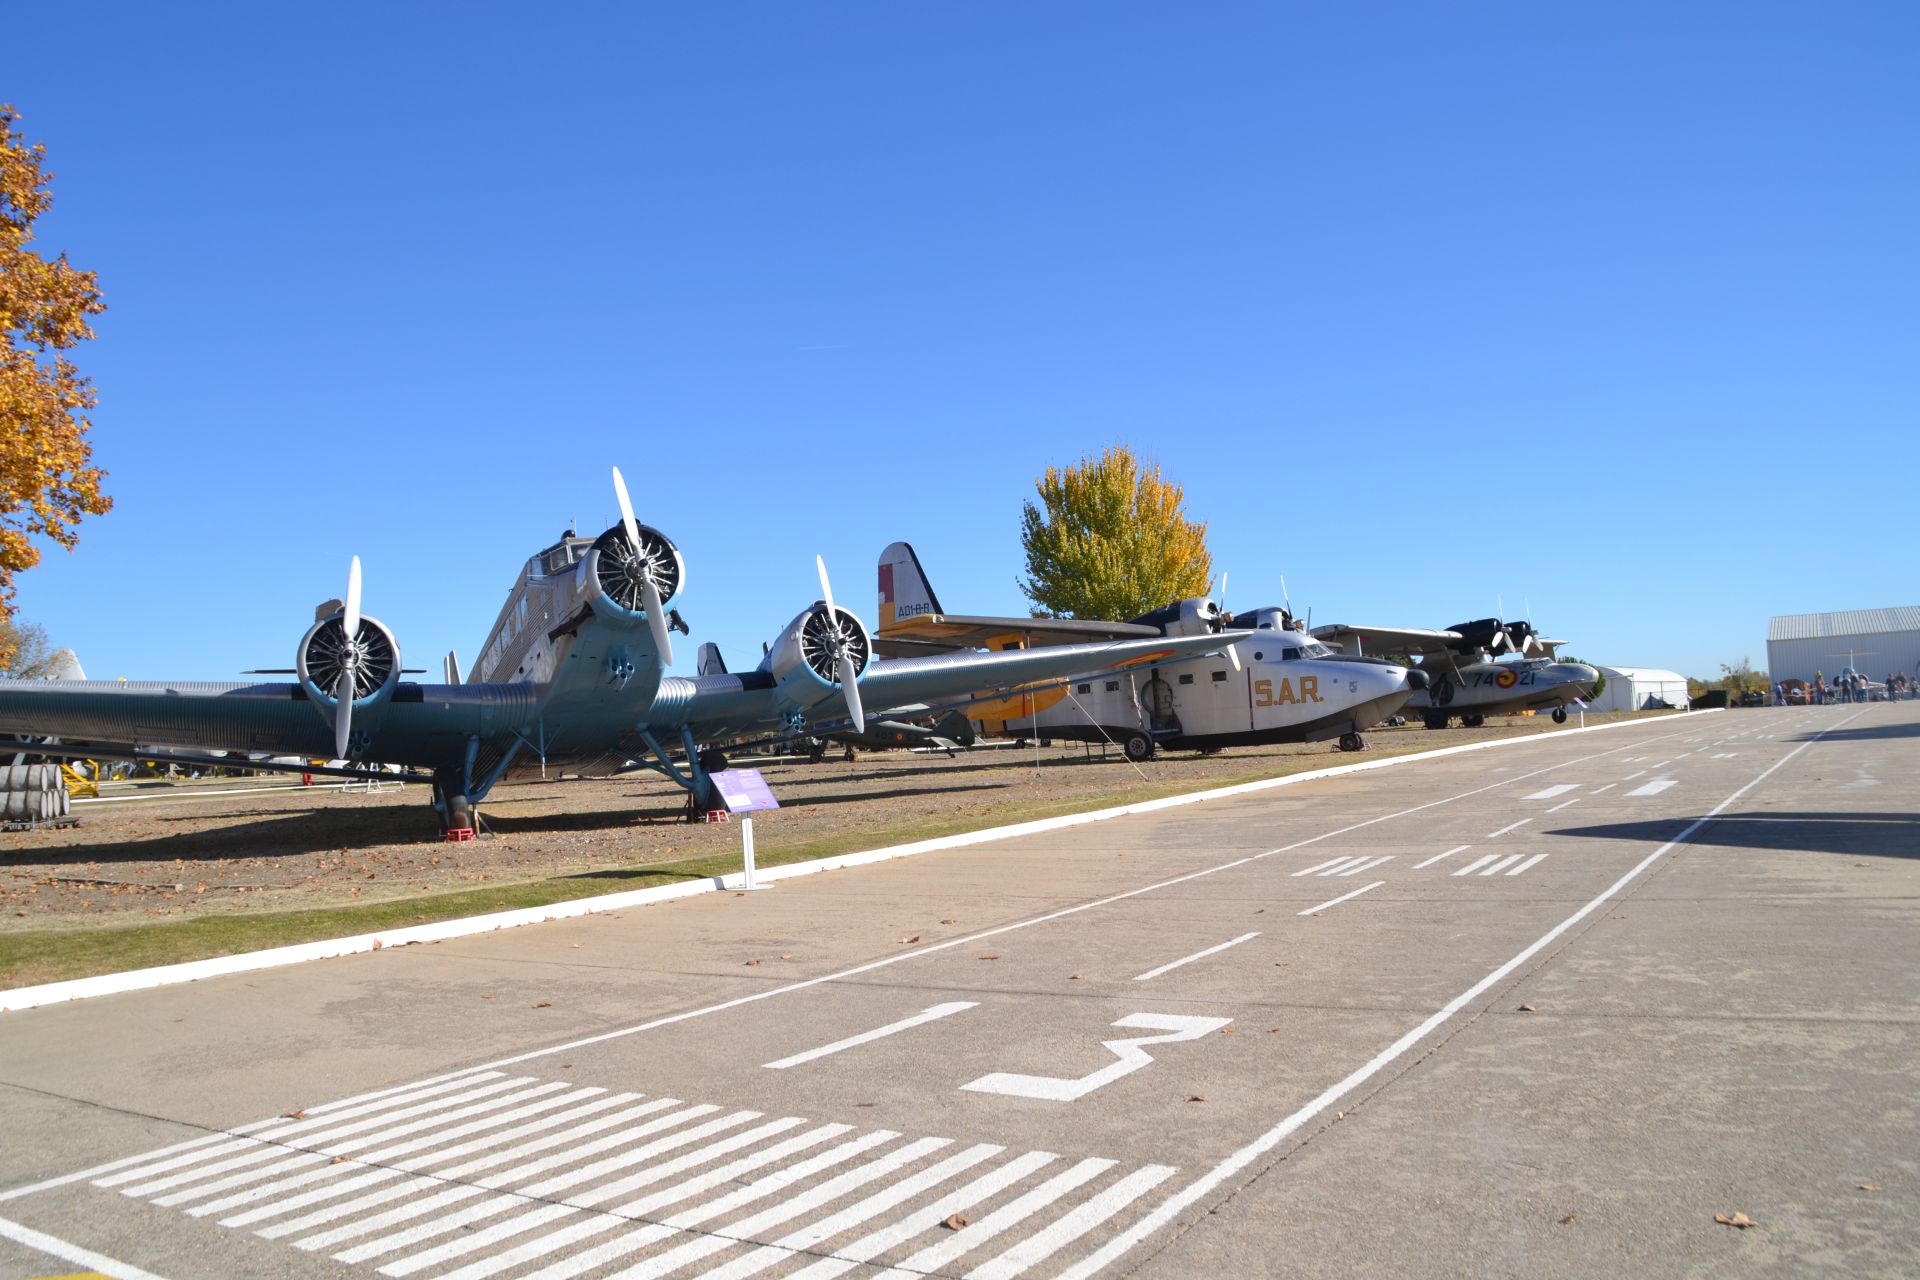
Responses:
[1542,1010]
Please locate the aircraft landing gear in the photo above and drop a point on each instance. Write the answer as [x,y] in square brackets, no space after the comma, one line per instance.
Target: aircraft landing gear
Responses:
[1137,746]
[1472,722]
[1559,715]
[1437,719]
[453,807]
[1352,742]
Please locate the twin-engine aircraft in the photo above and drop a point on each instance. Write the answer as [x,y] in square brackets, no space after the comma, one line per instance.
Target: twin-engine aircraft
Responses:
[1275,685]
[1475,669]
[572,679]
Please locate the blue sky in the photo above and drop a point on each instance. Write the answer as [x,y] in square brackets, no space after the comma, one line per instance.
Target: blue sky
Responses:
[1606,308]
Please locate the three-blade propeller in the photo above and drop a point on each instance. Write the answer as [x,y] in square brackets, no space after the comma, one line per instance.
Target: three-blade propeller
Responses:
[649,592]
[842,653]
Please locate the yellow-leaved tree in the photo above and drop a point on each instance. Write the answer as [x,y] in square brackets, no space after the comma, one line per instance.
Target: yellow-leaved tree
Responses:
[47,480]
[1108,540]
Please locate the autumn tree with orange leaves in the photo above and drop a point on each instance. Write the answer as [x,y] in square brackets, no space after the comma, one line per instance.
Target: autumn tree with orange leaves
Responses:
[1109,540]
[47,480]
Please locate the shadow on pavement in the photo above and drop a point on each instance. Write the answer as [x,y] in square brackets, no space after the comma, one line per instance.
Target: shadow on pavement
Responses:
[1877,835]
[1865,733]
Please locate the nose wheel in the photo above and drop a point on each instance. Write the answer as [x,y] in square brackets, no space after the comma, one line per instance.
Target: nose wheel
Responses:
[1352,742]
[1559,715]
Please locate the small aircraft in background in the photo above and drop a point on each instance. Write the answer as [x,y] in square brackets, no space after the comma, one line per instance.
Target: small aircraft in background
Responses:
[572,678]
[1276,685]
[1475,669]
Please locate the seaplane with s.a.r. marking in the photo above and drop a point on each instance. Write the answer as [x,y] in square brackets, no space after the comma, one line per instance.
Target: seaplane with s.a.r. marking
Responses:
[572,679]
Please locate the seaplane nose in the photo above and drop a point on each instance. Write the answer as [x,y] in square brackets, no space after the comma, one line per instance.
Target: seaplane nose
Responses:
[1417,679]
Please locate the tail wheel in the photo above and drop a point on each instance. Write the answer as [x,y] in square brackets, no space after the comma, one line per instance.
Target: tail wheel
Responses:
[1138,746]
[1352,742]
[1435,720]
[1473,722]
[1559,715]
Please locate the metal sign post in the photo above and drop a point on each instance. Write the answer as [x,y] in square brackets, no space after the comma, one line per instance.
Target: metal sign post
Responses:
[744,791]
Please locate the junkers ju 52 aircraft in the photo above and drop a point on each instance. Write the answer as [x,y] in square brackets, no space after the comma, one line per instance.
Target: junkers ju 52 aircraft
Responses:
[1475,669]
[1275,685]
[572,678]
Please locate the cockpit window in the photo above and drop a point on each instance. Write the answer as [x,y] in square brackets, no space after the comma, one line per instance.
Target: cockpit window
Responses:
[1314,649]
[1289,655]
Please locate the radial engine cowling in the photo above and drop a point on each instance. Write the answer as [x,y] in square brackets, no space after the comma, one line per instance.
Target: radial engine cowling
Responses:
[805,661]
[613,578]
[324,653]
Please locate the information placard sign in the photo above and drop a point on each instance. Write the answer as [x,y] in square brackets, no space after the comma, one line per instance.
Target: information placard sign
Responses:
[743,790]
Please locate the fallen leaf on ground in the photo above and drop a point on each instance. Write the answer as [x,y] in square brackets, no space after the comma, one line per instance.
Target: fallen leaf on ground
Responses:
[1739,1220]
[490,996]
[543,1004]
[989,957]
[786,957]
[955,1221]
[753,962]
[949,921]
[1569,1219]
[1226,1031]
[1196,1097]
[339,1160]
[1871,1186]
[293,1115]
[1526,1008]
[907,941]
[1075,978]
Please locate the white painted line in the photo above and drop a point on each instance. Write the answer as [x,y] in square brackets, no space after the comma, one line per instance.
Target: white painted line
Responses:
[1656,766]
[1177,1203]
[58,1248]
[1198,955]
[868,1247]
[1043,1244]
[1511,826]
[787,1210]
[1436,857]
[707,1155]
[1653,788]
[1342,898]
[21,998]
[1504,863]
[852,1216]
[1630,777]
[1011,1214]
[1610,786]
[1550,792]
[1564,803]
[1331,864]
[925,1016]
[1356,870]
[1528,863]
[1476,864]
[547,1188]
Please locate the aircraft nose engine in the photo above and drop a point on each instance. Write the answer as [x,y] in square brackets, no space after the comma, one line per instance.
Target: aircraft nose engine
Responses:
[328,657]
[806,662]
[1417,679]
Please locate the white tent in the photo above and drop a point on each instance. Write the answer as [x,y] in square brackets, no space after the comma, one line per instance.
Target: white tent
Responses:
[1633,688]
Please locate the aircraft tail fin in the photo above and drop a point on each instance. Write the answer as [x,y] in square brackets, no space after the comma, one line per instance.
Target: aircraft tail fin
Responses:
[450,668]
[64,664]
[711,663]
[904,590]
[956,728]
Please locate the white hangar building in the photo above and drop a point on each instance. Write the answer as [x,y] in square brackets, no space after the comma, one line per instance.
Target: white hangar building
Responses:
[1881,640]
[1634,688]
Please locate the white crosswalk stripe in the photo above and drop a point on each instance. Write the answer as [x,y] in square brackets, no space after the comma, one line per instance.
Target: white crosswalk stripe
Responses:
[483,1175]
[1350,865]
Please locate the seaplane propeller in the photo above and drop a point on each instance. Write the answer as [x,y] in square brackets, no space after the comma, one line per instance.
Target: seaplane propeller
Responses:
[639,568]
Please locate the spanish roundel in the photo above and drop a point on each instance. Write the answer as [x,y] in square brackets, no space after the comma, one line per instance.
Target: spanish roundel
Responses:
[1506,679]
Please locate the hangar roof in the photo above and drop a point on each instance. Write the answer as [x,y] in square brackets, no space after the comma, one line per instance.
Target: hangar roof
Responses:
[1849,622]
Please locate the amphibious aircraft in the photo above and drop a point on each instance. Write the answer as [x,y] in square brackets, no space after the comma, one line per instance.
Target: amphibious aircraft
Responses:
[1475,669]
[572,678]
[1276,685]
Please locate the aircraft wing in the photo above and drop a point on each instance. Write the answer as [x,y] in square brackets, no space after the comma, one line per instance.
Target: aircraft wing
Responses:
[910,680]
[1381,641]
[931,633]
[419,725]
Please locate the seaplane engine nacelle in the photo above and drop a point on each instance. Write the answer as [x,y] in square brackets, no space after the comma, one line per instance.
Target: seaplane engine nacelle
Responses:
[616,581]
[326,661]
[812,655]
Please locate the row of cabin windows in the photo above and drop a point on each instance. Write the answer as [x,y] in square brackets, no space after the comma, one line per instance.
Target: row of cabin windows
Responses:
[1113,686]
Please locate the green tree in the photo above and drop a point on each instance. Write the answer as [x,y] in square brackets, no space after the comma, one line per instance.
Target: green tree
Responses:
[1108,540]
[47,480]
[1738,679]
[24,653]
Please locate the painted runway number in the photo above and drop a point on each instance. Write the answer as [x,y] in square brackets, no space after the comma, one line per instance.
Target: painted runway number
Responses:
[1132,1057]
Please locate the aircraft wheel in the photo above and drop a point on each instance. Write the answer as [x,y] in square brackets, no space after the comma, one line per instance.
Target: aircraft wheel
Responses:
[459,814]
[1559,715]
[1352,742]
[1138,746]
[1472,722]
[1435,720]
[713,761]
[817,751]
